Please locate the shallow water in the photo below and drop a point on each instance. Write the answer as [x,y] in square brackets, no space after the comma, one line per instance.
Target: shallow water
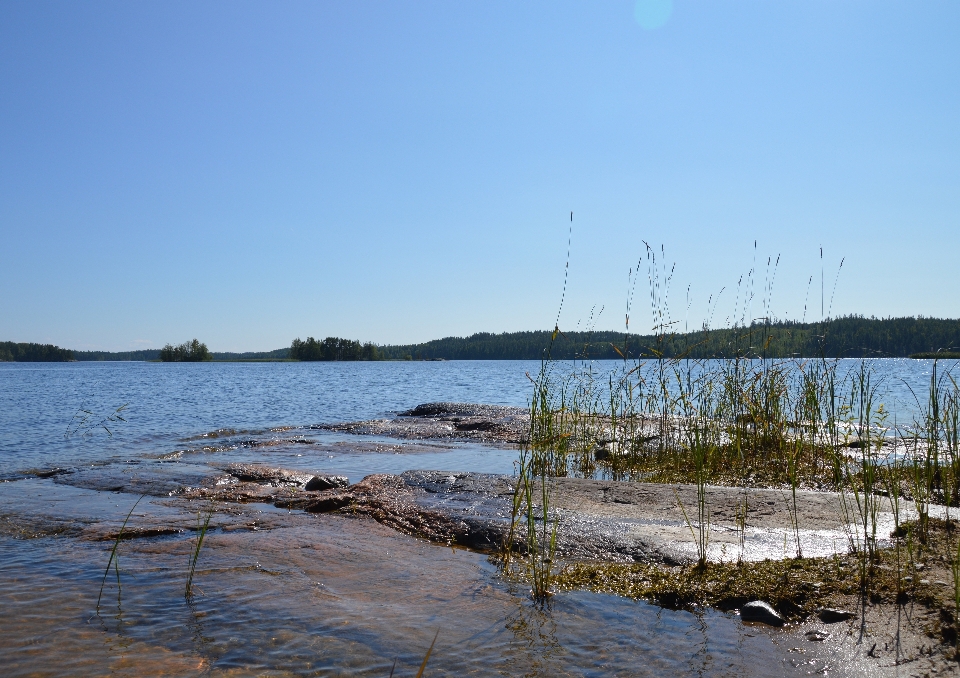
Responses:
[330,595]
[290,593]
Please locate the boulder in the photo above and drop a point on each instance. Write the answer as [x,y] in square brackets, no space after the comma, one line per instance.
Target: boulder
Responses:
[759,611]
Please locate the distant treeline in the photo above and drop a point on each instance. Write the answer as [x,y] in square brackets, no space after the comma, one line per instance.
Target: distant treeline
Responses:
[333,348]
[154,354]
[146,354]
[33,353]
[847,337]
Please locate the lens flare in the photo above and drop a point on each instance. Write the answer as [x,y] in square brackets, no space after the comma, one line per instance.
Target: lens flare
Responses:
[652,14]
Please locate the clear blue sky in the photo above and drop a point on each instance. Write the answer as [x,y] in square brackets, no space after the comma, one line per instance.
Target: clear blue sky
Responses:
[246,173]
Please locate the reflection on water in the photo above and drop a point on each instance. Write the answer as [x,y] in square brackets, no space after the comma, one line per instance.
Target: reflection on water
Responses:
[330,595]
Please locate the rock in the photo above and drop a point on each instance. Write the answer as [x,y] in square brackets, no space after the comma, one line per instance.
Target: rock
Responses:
[759,611]
[326,483]
[463,410]
[832,615]
[482,425]
[331,502]
[815,636]
[50,472]
[267,475]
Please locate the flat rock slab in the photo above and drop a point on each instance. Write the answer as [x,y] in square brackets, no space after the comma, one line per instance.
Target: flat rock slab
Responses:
[599,520]
[450,421]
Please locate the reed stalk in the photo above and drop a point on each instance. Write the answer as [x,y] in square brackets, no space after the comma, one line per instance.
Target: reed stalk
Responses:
[115,554]
[202,527]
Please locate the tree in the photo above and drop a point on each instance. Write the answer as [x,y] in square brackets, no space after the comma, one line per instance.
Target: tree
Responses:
[332,348]
[187,352]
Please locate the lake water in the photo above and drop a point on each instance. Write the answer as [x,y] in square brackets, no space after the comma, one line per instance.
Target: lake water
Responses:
[169,405]
[296,594]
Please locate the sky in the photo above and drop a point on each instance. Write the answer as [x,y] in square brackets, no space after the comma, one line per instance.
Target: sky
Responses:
[246,173]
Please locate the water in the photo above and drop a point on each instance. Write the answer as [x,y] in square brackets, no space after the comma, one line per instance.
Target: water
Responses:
[291,593]
[171,405]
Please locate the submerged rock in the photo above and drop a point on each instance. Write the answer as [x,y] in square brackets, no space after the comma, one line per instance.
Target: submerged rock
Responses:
[759,611]
[257,473]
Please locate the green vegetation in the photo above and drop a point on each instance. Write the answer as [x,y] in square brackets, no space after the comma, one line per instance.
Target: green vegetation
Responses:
[187,352]
[33,353]
[115,555]
[202,528]
[333,348]
[847,337]
[738,421]
[796,587]
[97,356]
[154,354]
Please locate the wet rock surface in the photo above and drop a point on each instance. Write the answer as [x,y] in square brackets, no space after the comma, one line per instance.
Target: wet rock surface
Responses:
[156,479]
[600,520]
[452,421]
[830,615]
[761,612]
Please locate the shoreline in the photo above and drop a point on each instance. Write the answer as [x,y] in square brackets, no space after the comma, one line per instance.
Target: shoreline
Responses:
[624,538]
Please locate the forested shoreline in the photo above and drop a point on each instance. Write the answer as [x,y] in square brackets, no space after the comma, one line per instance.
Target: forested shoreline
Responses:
[847,337]
[33,353]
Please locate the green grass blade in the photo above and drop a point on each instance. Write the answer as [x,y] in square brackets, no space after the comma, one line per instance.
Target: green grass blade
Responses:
[113,553]
[425,659]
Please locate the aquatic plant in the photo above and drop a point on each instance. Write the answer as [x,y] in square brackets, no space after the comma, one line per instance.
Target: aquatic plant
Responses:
[202,527]
[115,555]
[85,421]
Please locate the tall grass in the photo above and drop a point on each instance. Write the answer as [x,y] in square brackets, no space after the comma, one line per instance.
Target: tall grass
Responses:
[543,454]
[742,420]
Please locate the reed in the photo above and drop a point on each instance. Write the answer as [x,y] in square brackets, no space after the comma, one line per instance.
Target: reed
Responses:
[203,524]
[114,559]
[542,454]
[743,420]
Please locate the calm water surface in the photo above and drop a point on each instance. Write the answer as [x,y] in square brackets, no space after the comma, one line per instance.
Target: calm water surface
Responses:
[296,594]
[168,404]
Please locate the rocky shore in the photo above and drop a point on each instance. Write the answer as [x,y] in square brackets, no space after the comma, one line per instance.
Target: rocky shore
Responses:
[628,538]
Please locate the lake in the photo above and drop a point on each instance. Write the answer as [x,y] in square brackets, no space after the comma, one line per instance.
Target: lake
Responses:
[284,593]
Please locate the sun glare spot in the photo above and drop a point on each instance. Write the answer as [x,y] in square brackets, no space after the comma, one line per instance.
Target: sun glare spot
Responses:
[652,14]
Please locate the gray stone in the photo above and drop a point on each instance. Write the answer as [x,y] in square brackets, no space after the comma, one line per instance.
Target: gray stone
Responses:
[759,611]
[832,615]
